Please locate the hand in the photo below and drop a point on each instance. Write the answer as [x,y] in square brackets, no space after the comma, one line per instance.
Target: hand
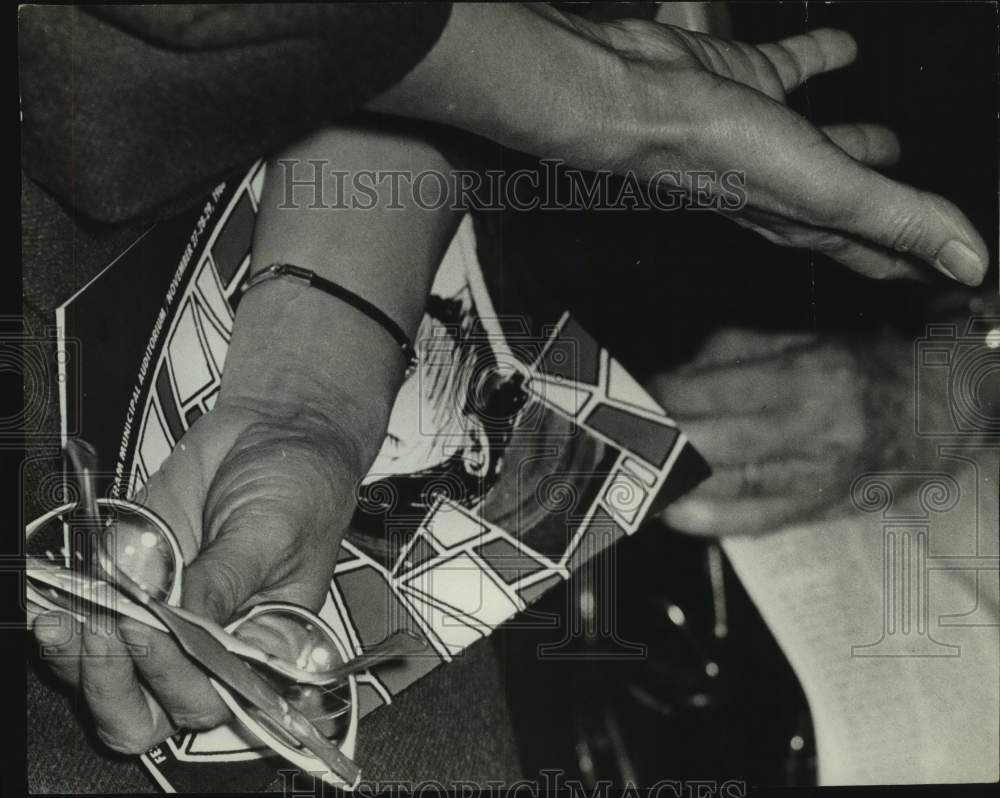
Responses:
[787,422]
[258,498]
[646,97]
[261,489]
[703,103]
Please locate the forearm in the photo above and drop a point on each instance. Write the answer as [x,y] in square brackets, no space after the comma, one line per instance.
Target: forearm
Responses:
[507,72]
[301,349]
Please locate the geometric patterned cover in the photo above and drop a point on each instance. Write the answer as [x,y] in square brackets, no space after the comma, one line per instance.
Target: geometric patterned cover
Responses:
[519,449]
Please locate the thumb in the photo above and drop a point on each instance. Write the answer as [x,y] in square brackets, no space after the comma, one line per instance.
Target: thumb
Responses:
[269,521]
[902,219]
[225,575]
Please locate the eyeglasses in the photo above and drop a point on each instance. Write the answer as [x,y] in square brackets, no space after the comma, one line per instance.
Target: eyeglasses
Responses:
[286,676]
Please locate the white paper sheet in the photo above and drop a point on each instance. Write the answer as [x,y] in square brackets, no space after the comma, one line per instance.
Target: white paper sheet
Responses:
[891,719]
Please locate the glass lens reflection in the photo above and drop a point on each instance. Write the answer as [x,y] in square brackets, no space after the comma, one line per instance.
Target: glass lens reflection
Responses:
[299,641]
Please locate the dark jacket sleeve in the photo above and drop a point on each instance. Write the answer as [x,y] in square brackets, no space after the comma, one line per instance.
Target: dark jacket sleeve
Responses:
[128,110]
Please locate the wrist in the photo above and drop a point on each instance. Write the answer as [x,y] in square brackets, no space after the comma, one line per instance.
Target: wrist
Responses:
[298,354]
[304,432]
[532,80]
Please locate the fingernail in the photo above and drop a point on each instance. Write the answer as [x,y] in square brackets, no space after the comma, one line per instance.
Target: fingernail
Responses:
[51,629]
[961,262]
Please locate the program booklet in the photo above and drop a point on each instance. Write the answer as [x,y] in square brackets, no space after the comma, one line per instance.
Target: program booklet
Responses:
[517,449]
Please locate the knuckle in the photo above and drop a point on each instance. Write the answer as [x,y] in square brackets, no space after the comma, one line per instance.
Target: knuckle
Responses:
[908,230]
[98,692]
[815,52]
[748,59]
[137,636]
[792,65]
[153,668]
[229,585]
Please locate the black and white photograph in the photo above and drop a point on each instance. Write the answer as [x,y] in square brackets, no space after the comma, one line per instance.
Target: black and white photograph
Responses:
[584,398]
